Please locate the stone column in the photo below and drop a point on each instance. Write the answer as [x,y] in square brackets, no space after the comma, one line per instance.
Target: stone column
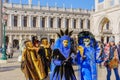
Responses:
[85,24]
[29,21]
[78,23]
[38,21]
[20,39]
[72,24]
[20,21]
[48,22]
[55,23]
[10,39]
[63,23]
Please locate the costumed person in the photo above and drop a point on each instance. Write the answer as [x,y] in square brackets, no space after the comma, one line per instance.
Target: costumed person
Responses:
[34,40]
[45,53]
[88,55]
[111,60]
[37,45]
[32,65]
[61,68]
[10,50]
[21,48]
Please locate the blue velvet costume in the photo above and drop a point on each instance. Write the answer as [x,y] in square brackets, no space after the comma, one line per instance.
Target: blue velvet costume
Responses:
[61,66]
[88,67]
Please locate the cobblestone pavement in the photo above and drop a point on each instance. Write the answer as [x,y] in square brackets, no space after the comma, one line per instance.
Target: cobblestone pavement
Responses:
[11,70]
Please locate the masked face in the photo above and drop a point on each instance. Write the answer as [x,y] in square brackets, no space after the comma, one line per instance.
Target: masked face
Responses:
[86,41]
[44,41]
[65,43]
[29,44]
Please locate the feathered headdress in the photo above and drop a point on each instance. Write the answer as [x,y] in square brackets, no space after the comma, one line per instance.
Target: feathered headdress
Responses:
[65,35]
[62,33]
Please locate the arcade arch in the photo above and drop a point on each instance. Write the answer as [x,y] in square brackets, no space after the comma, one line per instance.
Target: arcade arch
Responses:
[105,30]
[15,43]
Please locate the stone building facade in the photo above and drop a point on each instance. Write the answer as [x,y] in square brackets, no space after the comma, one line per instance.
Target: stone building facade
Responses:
[106,20]
[27,20]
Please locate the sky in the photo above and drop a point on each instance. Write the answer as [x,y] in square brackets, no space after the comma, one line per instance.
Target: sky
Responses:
[83,4]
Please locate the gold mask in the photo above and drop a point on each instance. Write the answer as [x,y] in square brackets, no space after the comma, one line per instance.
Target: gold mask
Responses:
[65,43]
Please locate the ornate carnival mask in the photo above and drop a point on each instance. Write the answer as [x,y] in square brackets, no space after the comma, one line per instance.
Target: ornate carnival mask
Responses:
[86,41]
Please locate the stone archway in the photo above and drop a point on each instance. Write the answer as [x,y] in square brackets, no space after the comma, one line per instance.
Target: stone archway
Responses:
[105,29]
[16,43]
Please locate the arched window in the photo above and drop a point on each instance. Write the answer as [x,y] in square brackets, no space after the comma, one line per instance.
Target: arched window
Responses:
[25,21]
[59,23]
[81,24]
[107,25]
[74,23]
[67,23]
[88,24]
[43,22]
[15,21]
[51,22]
[34,21]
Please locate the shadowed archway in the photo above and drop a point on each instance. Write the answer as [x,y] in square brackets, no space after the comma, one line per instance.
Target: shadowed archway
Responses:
[105,29]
